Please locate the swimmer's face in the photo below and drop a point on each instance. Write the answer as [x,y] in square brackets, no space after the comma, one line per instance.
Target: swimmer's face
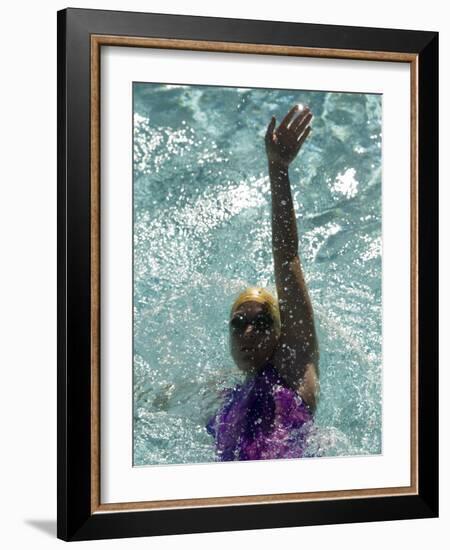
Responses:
[253,337]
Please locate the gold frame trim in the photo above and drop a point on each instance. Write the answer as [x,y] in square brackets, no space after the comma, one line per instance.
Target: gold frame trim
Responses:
[110,40]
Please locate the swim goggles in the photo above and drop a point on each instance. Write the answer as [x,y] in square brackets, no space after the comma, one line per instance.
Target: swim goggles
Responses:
[261,322]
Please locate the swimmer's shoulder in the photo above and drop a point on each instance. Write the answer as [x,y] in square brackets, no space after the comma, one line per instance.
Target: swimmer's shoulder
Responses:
[306,385]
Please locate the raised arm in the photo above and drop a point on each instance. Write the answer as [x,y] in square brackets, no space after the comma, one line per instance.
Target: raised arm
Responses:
[297,357]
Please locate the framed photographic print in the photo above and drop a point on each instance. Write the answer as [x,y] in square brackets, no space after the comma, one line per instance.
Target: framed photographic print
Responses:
[247,274]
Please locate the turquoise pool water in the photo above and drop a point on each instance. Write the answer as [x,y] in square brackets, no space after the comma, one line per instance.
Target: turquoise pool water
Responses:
[202,233]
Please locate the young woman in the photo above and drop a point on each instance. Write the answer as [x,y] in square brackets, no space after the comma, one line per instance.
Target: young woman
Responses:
[273,342]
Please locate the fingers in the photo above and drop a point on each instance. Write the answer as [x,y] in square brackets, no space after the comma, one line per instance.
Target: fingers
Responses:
[289,117]
[271,126]
[270,129]
[293,130]
[296,120]
[303,136]
[301,122]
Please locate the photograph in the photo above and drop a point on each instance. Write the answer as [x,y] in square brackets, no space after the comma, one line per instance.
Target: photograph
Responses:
[246,274]
[257,274]
[223,255]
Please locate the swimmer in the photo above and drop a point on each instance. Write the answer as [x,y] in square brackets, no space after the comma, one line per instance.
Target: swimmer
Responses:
[273,340]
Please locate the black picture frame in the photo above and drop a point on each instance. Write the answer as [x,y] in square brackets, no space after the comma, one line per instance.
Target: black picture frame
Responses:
[77,517]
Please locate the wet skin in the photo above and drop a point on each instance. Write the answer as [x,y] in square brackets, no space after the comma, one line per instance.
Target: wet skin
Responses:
[295,352]
[252,340]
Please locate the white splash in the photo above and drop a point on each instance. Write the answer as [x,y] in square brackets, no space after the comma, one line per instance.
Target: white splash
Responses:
[346,184]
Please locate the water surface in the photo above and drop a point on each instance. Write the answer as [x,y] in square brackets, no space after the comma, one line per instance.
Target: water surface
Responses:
[202,233]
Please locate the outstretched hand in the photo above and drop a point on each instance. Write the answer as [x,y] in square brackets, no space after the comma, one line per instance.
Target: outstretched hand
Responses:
[283,144]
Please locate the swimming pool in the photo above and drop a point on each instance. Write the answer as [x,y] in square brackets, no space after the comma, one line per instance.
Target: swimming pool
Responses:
[202,233]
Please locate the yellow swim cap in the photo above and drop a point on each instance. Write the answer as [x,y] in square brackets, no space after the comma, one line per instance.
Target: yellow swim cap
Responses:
[263,296]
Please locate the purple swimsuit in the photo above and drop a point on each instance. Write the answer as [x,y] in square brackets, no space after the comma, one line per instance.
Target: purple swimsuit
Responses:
[260,419]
